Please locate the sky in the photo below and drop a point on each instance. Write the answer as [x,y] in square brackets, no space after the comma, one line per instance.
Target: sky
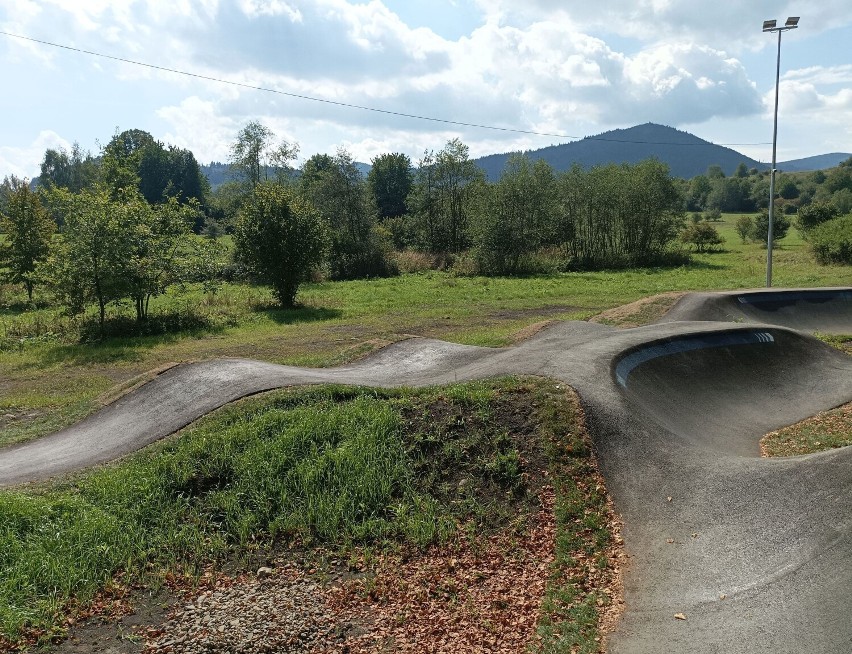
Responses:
[541,72]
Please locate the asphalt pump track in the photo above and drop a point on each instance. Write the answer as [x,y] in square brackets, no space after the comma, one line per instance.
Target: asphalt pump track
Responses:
[755,553]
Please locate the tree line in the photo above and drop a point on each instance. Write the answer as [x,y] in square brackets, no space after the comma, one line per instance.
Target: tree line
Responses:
[119,227]
[747,190]
[116,227]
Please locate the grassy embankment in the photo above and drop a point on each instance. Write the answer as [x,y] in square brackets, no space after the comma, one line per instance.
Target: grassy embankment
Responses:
[336,467]
[823,431]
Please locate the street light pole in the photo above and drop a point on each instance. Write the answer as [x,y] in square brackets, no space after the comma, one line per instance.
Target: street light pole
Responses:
[770,26]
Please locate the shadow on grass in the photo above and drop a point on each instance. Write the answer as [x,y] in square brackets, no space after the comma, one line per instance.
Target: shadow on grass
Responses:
[19,305]
[698,264]
[299,314]
[124,339]
[111,350]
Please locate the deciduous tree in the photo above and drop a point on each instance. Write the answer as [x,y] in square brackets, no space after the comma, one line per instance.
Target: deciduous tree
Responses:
[254,153]
[280,238]
[159,249]
[116,249]
[336,187]
[88,264]
[815,214]
[390,180]
[703,236]
[618,215]
[745,227]
[515,215]
[134,160]
[8,186]
[442,195]
[760,229]
[28,229]
[73,171]
[120,160]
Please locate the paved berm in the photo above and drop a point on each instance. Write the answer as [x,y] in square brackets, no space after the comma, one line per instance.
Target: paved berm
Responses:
[750,554]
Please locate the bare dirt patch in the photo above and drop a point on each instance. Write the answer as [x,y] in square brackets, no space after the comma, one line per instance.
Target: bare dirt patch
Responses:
[641,312]
[480,594]
[550,310]
[475,595]
[530,330]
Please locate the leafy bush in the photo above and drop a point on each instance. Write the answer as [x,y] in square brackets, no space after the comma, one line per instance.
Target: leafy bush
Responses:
[513,217]
[832,241]
[745,227]
[370,256]
[180,319]
[618,215]
[413,261]
[815,214]
[760,228]
[713,215]
[703,236]
[280,238]
[401,229]
[842,199]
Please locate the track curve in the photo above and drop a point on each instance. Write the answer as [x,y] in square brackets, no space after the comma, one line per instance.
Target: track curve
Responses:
[826,310]
[676,410]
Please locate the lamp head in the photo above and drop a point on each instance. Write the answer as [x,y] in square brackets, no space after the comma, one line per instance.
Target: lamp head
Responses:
[792,22]
[769,24]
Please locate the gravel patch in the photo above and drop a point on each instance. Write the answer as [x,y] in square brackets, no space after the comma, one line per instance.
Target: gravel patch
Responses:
[274,611]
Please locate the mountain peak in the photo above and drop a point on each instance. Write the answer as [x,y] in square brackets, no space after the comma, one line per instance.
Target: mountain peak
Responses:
[686,154]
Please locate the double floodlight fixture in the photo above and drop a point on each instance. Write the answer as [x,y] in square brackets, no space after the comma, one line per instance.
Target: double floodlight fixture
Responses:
[771,26]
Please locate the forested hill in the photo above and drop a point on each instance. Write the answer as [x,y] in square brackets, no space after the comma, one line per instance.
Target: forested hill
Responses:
[818,162]
[686,154]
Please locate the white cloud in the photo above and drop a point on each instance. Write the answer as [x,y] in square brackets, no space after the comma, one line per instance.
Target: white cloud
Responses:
[22,161]
[805,98]
[255,8]
[540,75]
[541,65]
[734,24]
[822,75]
[821,92]
[683,83]
[196,125]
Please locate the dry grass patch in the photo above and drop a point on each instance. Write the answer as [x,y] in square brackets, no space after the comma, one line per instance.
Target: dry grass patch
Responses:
[641,312]
[823,431]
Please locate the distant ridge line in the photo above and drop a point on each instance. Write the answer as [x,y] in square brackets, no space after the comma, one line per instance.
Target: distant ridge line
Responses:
[650,140]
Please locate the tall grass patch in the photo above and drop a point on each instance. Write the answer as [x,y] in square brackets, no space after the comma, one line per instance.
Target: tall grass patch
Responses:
[326,465]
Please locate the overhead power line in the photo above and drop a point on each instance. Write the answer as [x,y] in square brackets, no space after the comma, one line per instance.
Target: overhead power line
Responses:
[346,105]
